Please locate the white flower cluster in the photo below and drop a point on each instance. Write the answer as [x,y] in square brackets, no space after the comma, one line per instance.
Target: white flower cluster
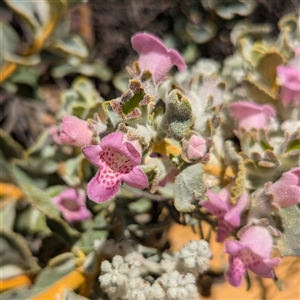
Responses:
[195,256]
[192,258]
[122,279]
[179,286]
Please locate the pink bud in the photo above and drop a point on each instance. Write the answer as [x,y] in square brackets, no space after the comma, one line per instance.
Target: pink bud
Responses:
[196,147]
[285,191]
[75,132]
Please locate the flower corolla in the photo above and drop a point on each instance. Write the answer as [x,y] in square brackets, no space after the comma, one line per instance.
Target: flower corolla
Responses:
[118,161]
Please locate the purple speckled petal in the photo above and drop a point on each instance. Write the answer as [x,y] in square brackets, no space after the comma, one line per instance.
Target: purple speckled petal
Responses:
[100,191]
[136,178]
[113,140]
[236,271]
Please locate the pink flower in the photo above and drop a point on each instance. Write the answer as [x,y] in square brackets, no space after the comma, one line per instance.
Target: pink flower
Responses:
[251,252]
[285,191]
[118,160]
[71,203]
[229,215]
[289,77]
[75,132]
[155,56]
[196,147]
[250,114]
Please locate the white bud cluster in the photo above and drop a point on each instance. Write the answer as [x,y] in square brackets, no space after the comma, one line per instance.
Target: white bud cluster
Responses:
[195,256]
[179,286]
[114,276]
[122,279]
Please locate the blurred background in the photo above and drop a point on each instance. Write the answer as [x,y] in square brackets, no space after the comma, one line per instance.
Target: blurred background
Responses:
[45,46]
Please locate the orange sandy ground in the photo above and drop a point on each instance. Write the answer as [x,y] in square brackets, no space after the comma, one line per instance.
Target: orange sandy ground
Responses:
[288,272]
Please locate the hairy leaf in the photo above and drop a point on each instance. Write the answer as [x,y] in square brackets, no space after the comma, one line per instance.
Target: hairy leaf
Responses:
[189,186]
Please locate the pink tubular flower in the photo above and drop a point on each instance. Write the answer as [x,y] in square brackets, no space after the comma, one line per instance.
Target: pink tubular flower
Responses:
[285,191]
[75,132]
[229,215]
[71,203]
[118,160]
[250,114]
[251,252]
[289,77]
[155,56]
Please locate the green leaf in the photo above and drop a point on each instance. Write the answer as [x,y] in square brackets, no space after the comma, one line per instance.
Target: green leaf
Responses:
[113,119]
[73,45]
[132,103]
[26,61]
[202,32]
[23,174]
[43,202]
[9,40]
[120,81]
[26,75]
[140,206]
[57,268]
[289,244]
[229,10]
[9,147]
[189,186]
[15,252]
[87,90]
[8,214]
[293,145]
[178,118]
[33,221]
[26,9]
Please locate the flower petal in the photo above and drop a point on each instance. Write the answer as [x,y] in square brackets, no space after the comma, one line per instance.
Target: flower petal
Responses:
[68,193]
[99,191]
[286,190]
[215,204]
[136,178]
[224,229]
[264,268]
[236,271]
[258,240]
[113,140]
[132,153]
[234,215]
[155,56]
[79,215]
[233,247]
[250,114]
[92,154]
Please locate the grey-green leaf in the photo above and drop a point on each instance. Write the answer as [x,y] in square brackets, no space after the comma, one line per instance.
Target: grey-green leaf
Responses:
[189,186]
[289,243]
